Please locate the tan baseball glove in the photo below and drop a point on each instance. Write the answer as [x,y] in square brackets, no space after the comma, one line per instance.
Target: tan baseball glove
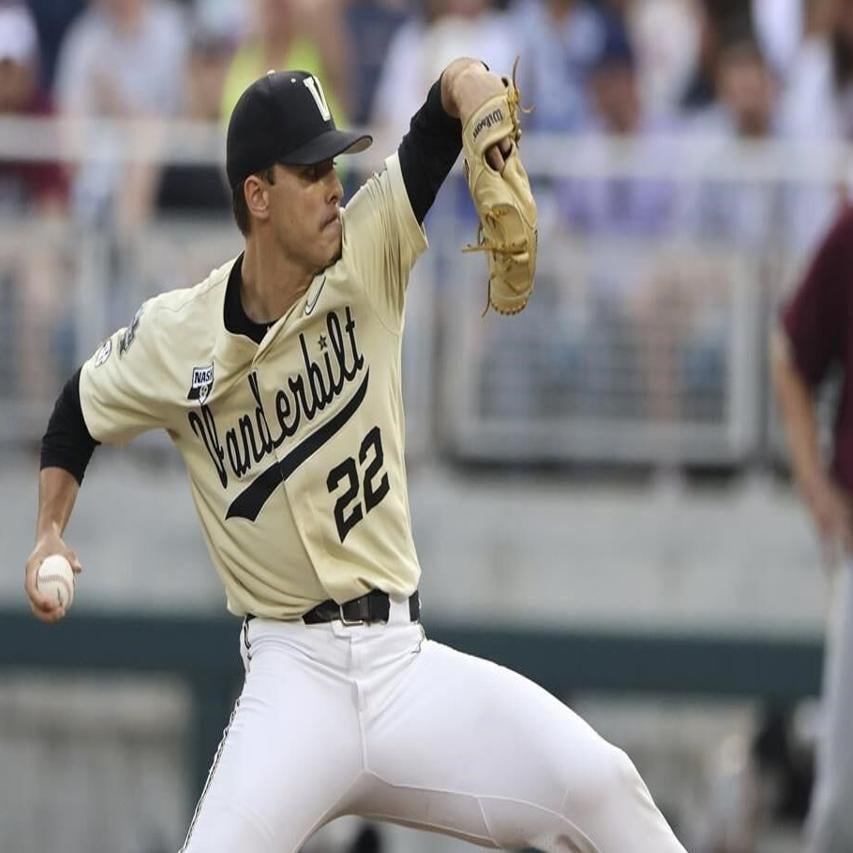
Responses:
[503,200]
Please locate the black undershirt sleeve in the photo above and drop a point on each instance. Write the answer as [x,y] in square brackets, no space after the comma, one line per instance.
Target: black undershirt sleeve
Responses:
[428,151]
[67,443]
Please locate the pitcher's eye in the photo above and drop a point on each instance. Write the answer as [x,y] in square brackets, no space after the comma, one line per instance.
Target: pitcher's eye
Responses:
[316,171]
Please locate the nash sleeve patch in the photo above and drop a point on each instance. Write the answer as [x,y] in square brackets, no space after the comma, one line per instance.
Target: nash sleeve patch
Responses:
[201,384]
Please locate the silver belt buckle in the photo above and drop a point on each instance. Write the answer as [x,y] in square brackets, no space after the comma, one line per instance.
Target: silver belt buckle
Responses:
[345,622]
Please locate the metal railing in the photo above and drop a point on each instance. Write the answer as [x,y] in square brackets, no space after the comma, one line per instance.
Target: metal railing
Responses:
[642,344]
[623,354]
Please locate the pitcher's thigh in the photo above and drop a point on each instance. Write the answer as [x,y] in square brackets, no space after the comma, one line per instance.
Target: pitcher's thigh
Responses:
[466,740]
[283,768]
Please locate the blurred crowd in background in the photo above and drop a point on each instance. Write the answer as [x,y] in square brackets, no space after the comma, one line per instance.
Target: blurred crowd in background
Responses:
[748,69]
[723,71]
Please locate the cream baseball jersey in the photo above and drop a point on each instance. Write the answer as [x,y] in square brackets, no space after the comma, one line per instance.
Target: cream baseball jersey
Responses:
[294,446]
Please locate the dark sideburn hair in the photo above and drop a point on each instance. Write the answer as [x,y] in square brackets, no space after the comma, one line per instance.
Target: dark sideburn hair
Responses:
[239,206]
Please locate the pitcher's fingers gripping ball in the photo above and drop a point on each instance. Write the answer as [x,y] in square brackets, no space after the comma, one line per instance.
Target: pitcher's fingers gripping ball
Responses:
[55,580]
[503,199]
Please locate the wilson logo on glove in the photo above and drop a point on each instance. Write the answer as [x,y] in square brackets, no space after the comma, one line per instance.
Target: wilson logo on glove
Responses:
[487,121]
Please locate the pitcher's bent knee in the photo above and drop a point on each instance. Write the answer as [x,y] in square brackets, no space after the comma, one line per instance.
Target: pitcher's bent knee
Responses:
[613,806]
[608,783]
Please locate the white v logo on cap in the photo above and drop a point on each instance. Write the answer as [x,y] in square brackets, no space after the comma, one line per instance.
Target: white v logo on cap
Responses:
[274,122]
[312,84]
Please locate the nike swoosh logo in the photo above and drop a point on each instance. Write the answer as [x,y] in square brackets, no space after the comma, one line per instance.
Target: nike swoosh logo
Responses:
[309,306]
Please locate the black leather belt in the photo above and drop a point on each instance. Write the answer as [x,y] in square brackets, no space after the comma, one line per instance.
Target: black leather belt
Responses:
[373,607]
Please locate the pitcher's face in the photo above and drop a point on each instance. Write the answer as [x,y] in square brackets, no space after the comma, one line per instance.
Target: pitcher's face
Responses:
[304,209]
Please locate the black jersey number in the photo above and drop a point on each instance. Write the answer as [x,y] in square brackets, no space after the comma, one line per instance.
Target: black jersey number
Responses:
[371,460]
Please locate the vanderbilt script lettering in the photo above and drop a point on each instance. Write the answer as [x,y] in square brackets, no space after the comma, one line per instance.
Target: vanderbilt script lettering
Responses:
[306,393]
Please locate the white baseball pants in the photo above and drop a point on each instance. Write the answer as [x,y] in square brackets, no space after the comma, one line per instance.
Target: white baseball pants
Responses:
[830,823]
[377,721]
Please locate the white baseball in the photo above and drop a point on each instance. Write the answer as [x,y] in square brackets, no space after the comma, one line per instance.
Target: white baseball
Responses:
[55,580]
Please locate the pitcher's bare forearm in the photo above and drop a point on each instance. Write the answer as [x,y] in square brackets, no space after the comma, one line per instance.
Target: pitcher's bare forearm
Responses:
[58,490]
[66,450]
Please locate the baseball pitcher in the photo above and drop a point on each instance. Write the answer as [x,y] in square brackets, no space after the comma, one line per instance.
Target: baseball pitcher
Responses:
[278,379]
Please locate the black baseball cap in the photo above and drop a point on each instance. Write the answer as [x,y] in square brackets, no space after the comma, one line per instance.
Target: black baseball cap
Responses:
[283,118]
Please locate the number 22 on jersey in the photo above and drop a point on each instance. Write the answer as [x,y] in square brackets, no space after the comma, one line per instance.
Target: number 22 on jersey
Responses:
[361,478]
